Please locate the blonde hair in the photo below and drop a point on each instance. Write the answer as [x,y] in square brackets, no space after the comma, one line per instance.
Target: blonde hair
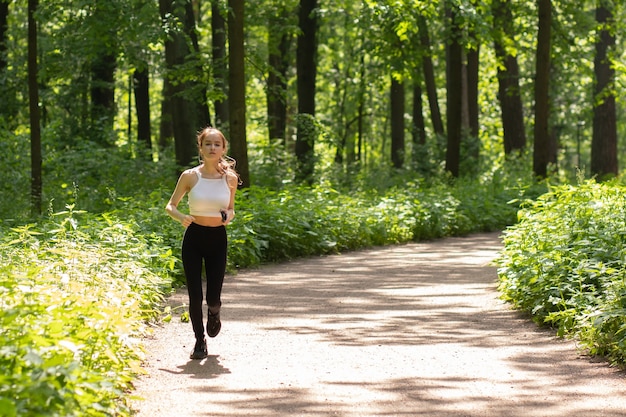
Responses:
[226,164]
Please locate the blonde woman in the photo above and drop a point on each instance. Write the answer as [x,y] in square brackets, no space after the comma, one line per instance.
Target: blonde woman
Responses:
[210,188]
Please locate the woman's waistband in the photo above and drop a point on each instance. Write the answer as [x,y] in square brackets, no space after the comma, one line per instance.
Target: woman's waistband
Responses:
[199,226]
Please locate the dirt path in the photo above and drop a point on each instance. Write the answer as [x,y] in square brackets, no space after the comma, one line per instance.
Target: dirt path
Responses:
[413,330]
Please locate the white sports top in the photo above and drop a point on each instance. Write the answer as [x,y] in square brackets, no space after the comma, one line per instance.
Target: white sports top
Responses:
[209,196]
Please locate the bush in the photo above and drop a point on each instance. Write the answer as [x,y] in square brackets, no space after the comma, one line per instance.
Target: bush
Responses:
[301,221]
[564,263]
[76,293]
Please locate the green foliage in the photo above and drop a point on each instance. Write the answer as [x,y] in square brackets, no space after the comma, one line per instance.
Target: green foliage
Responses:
[564,263]
[76,291]
[302,221]
[15,179]
[78,285]
[274,165]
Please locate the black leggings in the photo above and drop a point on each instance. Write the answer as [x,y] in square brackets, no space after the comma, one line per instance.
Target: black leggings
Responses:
[209,244]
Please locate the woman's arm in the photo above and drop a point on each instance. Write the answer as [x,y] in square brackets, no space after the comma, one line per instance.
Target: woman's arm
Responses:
[232,184]
[182,187]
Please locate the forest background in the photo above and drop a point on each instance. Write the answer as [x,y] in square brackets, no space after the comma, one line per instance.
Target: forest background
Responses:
[353,123]
[303,89]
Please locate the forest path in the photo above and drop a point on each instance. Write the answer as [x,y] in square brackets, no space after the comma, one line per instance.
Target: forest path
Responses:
[410,330]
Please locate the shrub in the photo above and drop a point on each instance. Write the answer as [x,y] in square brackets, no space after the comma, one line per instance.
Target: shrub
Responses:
[564,263]
[301,221]
[76,293]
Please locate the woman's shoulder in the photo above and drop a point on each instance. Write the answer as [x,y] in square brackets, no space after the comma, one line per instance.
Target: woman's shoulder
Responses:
[190,172]
[189,177]
[231,177]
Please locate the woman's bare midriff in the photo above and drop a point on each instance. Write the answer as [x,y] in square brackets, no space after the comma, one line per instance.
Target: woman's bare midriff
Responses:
[208,221]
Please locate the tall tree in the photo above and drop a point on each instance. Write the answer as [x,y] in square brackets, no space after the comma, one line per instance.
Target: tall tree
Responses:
[141,88]
[429,77]
[220,64]
[4,17]
[397,122]
[185,92]
[306,67]
[198,77]
[166,122]
[237,89]
[604,141]
[472,70]
[344,55]
[512,112]
[279,42]
[362,96]
[33,99]
[454,87]
[544,151]
[4,90]
[419,125]
[139,28]
[102,67]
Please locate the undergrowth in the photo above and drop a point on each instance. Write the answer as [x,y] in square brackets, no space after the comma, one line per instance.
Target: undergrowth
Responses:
[79,285]
[564,263]
[76,292]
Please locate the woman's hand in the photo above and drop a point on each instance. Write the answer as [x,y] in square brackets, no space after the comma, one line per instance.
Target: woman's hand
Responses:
[187,220]
[228,216]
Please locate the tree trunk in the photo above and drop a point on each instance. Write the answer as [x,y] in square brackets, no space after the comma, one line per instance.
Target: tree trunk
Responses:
[186,120]
[220,65]
[419,126]
[419,154]
[278,45]
[306,67]
[103,95]
[340,114]
[142,105]
[361,112]
[4,17]
[33,99]
[604,142]
[472,71]
[397,123]
[237,89]
[512,111]
[166,125]
[7,96]
[429,78]
[454,86]
[542,155]
[199,83]
[102,69]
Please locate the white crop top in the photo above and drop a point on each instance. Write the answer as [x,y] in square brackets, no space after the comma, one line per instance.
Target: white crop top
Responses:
[209,196]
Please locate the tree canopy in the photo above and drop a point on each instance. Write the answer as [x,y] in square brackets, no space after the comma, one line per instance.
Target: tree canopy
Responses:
[327,84]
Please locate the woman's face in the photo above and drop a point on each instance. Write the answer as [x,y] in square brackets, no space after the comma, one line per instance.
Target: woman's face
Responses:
[212,146]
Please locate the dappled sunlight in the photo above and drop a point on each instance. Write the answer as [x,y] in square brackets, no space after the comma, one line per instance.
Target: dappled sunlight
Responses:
[401,304]
[410,330]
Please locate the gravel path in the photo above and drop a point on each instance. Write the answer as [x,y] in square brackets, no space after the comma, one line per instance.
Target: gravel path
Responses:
[411,330]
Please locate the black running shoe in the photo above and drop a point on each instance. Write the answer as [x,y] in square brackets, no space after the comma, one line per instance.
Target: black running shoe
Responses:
[214,324]
[199,350]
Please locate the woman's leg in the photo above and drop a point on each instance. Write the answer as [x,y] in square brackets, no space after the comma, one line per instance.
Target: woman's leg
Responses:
[192,265]
[215,264]
[215,267]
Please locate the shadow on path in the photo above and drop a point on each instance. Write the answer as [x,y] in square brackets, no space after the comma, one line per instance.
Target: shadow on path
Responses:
[407,330]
